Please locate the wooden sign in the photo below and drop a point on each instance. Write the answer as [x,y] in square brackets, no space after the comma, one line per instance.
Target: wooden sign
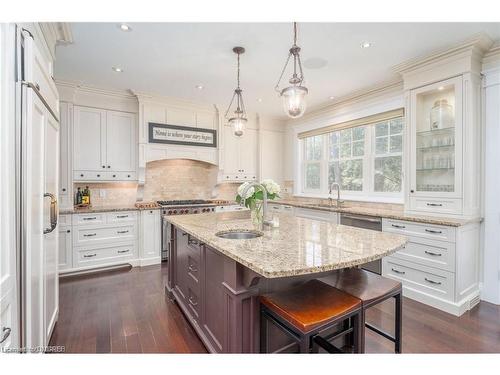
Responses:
[182,135]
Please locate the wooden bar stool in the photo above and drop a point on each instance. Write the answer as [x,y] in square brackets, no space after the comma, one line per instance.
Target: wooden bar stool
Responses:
[305,311]
[371,289]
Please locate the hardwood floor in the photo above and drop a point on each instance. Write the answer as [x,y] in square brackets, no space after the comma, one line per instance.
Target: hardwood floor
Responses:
[128,312]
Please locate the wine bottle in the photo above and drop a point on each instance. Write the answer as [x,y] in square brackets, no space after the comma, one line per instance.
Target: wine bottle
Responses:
[78,199]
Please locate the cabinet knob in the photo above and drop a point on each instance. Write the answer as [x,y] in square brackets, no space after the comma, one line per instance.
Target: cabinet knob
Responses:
[104,166]
[98,175]
[412,191]
[81,175]
[114,175]
[109,166]
[68,231]
[63,189]
[128,175]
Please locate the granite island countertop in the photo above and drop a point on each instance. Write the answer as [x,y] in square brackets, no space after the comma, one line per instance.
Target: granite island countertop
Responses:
[298,246]
[381,212]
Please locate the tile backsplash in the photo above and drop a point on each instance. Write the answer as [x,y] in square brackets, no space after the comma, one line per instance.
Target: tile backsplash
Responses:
[166,179]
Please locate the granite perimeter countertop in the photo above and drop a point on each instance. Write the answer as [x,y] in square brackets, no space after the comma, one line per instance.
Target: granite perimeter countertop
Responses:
[380,212]
[90,210]
[298,246]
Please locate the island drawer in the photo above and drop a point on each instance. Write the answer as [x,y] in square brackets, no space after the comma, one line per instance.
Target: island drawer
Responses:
[408,228]
[121,217]
[438,254]
[92,256]
[421,278]
[193,269]
[91,235]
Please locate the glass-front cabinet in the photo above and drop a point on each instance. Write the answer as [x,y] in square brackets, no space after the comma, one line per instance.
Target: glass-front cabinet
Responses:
[436,141]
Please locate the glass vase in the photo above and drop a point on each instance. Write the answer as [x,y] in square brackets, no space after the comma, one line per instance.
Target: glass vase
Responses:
[257,214]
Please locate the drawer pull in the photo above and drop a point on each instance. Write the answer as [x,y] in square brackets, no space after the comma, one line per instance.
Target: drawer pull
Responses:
[433,231]
[435,204]
[122,231]
[193,303]
[123,251]
[121,216]
[398,226]
[398,271]
[192,269]
[90,218]
[5,334]
[432,281]
[433,254]
[90,255]
[90,235]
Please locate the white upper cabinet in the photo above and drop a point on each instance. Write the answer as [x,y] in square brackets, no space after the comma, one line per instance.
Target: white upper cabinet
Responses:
[240,155]
[104,145]
[120,141]
[89,144]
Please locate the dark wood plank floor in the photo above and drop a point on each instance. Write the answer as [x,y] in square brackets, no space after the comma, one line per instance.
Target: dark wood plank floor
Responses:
[127,312]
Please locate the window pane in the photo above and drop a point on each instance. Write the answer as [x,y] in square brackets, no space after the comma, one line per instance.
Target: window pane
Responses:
[313,148]
[312,176]
[333,172]
[358,133]
[381,129]
[345,150]
[396,143]
[381,145]
[351,175]
[345,135]
[397,125]
[358,148]
[334,151]
[334,137]
[388,174]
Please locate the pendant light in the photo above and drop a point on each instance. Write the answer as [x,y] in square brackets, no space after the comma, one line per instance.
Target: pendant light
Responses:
[239,120]
[294,102]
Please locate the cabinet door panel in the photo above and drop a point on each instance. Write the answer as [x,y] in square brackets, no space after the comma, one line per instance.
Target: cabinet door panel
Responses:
[120,141]
[89,131]
[248,152]
[231,152]
[213,298]
[181,261]
[150,233]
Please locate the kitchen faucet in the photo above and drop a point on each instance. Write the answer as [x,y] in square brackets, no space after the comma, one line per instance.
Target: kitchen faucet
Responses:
[265,220]
[334,184]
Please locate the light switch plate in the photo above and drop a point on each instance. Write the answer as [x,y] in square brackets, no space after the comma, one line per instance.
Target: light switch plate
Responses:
[102,193]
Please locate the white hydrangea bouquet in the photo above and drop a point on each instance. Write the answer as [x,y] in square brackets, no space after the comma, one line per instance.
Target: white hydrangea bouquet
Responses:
[254,197]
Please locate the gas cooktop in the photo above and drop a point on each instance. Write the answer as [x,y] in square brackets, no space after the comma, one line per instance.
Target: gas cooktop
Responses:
[187,202]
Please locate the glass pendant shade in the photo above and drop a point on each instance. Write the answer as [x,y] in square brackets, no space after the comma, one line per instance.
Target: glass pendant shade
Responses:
[238,125]
[294,101]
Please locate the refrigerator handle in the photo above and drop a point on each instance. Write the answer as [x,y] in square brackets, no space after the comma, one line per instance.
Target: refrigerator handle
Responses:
[53,212]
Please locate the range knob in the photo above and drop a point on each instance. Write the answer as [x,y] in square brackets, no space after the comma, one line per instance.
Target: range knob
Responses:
[170,212]
[195,211]
[175,211]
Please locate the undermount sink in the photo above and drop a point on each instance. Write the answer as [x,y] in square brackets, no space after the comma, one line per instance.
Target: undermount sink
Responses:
[239,234]
[326,205]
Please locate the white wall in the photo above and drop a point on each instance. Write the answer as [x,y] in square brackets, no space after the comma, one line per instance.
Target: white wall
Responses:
[491,240]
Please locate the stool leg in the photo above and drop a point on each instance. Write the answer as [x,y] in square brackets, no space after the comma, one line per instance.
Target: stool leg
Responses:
[358,325]
[305,344]
[263,332]
[350,337]
[398,322]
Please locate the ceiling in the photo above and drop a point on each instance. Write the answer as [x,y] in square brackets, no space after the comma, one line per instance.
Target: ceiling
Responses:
[171,59]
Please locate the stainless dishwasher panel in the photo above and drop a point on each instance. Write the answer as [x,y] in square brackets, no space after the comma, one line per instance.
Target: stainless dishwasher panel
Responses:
[365,222]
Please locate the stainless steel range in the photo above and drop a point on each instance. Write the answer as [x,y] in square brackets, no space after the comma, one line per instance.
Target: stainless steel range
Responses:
[180,207]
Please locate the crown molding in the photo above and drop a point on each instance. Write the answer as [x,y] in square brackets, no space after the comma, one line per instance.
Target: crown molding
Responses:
[144,97]
[479,43]
[491,59]
[80,86]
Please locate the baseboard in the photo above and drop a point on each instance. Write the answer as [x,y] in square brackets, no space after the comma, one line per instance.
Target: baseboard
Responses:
[454,308]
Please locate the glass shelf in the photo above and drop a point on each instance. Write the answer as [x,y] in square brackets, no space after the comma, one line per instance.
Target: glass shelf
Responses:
[434,169]
[435,147]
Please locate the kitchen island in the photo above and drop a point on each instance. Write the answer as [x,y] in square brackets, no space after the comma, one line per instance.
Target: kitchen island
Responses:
[216,281]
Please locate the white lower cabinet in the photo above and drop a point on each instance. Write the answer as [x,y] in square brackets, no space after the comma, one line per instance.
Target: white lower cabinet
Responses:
[439,266]
[150,237]
[102,239]
[320,215]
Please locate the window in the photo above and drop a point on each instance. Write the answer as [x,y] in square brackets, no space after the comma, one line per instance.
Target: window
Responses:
[365,160]
[313,153]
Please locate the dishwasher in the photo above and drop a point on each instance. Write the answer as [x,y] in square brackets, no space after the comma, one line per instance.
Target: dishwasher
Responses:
[365,222]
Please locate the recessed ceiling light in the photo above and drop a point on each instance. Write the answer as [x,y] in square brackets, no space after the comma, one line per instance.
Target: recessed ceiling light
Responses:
[259,100]
[441,88]
[125,27]
[117,69]
[199,87]
[331,97]
[366,44]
